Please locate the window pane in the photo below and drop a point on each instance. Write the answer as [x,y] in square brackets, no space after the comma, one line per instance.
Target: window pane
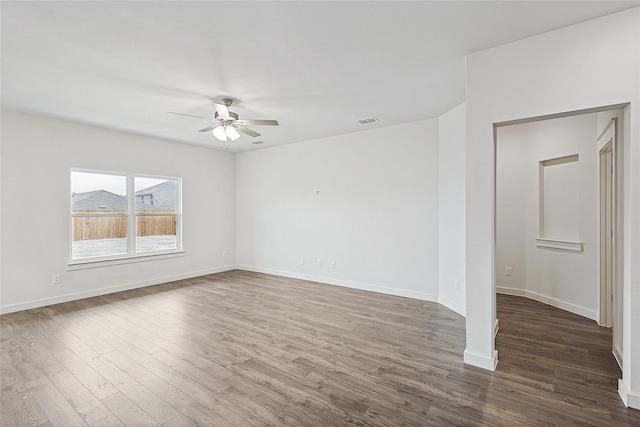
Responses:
[96,192]
[155,233]
[155,195]
[98,236]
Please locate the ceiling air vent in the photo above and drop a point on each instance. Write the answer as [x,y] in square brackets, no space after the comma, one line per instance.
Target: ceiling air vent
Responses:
[257,142]
[367,120]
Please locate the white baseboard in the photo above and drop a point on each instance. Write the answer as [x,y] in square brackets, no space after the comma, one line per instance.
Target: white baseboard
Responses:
[618,356]
[572,308]
[344,283]
[108,290]
[159,280]
[633,401]
[484,362]
[510,291]
[629,399]
[452,306]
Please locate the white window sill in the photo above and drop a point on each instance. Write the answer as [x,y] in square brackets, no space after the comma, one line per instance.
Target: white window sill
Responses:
[564,245]
[128,259]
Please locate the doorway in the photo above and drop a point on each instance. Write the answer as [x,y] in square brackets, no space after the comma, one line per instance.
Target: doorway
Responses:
[578,271]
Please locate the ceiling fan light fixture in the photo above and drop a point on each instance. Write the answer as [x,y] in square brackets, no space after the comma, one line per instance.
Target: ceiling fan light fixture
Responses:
[232,133]
[220,133]
[227,124]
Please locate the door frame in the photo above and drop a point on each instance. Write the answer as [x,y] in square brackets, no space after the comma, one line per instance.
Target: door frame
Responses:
[607,189]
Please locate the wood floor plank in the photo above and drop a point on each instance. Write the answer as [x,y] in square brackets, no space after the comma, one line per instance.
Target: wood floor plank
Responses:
[109,421]
[18,407]
[128,412]
[24,369]
[248,349]
[154,383]
[86,375]
[82,400]
[157,408]
[169,393]
[106,329]
[180,421]
[212,375]
[56,408]
[199,391]
[259,406]
[81,349]
[197,412]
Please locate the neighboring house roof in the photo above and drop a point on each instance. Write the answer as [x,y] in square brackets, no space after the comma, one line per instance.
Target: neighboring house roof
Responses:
[98,200]
[107,201]
[160,196]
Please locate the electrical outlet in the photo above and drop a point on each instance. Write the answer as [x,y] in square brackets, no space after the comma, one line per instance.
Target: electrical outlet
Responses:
[333,264]
[508,271]
[457,285]
[55,279]
[301,260]
[319,262]
[224,254]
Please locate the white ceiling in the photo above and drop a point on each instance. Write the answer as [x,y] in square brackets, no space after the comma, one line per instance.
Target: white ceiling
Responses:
[316,67]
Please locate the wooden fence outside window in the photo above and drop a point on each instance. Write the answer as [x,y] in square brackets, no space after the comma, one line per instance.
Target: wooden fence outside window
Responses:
[115,227]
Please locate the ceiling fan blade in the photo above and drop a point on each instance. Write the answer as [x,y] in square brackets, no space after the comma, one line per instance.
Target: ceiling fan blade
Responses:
[223,111]
[208,128]
[245,130]
[257,122]
[189,115]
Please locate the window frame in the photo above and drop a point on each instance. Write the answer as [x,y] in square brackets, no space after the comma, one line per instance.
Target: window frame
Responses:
[131,220]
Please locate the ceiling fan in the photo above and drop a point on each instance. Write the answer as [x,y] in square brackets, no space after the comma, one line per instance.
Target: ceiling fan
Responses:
[227,123]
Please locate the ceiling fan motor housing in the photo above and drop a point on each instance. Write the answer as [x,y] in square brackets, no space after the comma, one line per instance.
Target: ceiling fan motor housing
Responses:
[233,115]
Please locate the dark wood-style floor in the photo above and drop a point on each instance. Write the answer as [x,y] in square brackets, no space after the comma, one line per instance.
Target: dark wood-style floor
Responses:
[247,349]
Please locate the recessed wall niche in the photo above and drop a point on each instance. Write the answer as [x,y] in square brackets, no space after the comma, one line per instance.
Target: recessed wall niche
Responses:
[559,203]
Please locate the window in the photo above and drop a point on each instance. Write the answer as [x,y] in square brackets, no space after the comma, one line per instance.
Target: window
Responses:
[118,215]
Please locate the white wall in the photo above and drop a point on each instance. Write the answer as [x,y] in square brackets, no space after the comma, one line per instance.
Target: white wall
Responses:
[376,216]
[511,155]
[564,279]
[451,204]
[591,64]
[36,156]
